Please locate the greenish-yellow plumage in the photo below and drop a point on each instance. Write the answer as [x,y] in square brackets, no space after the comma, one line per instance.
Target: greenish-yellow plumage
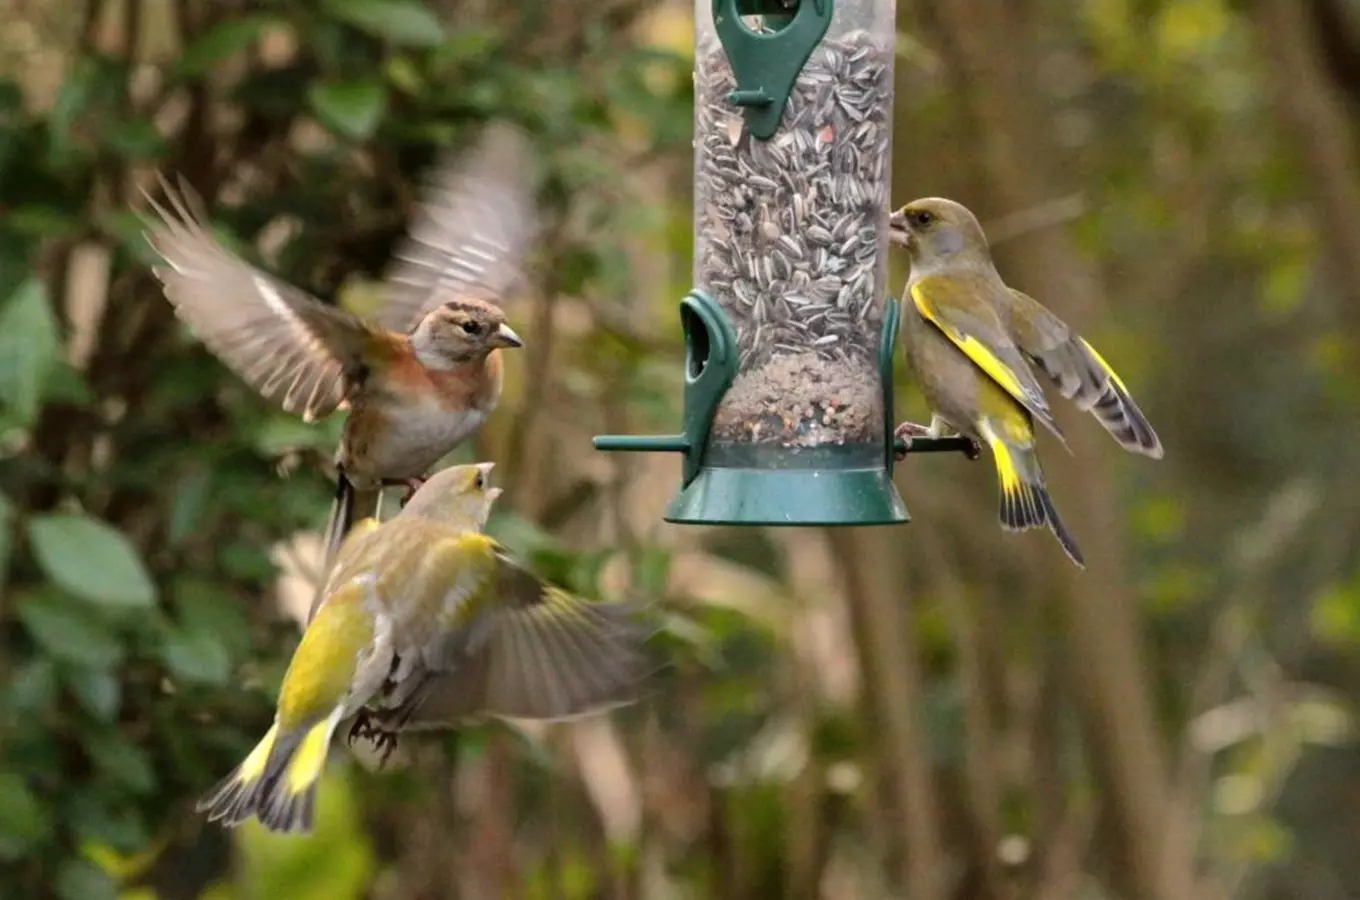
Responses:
[425,621]
[970,340]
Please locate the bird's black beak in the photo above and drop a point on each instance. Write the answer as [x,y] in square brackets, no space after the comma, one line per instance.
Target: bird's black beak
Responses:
[898,232]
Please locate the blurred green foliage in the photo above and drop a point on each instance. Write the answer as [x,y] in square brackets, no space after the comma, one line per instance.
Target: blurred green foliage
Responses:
[139,489]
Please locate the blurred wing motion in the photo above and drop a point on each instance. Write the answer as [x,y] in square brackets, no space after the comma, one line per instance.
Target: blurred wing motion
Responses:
[1080,374]
[537,652]
[952,304]
[288,345]
[469,235]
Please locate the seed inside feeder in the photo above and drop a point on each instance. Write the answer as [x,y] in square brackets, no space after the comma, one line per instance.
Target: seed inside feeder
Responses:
[835,402]
[789,238]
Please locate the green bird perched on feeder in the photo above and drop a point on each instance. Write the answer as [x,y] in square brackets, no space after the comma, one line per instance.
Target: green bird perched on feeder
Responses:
[425,616]
[970,339]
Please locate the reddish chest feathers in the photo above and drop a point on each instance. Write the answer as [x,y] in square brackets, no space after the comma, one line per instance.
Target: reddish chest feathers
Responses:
[406,417]
[474,385]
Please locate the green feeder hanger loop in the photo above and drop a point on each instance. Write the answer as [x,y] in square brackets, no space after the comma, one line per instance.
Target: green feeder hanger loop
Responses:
[820,450]
[766,63]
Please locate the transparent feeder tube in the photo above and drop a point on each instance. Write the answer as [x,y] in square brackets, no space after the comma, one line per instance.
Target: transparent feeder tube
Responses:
[791,234]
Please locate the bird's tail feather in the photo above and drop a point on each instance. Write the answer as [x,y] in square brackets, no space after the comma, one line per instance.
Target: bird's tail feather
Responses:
[277,782]
[341,518]
[1025,501]
[1116,412]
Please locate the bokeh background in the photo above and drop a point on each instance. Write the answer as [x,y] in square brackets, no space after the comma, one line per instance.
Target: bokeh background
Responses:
[933,711]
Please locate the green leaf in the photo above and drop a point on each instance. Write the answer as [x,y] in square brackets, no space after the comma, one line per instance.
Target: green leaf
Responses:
[187,505]
[209,607]
[24,820]
[124,226]
[80,879]
[226,38]
[96,817]
[134,138]
[1335,616]
[30,344]
[66,384]
[280,434]
[470,43]
[651,572]
[11,97]
[196,656]
[98,691]
[353,108]
[91,559]
[33,688]
[69,105]
[69,630]
[121,760]
[403,22]
[40,220]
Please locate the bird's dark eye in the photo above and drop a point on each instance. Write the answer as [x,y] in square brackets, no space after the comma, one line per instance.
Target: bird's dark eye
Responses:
[481,479]
[470,327]
[922,218]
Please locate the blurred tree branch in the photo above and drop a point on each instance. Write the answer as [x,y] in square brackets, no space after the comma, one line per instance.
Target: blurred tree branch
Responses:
[866,558]
[1323,138]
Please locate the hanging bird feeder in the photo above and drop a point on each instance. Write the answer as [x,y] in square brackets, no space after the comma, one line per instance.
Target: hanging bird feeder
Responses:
[788,338]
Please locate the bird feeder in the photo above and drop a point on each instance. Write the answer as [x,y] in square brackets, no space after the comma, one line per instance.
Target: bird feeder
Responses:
[788,336]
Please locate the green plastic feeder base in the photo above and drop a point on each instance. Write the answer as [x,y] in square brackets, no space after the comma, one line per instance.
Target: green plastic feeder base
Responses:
[744,484]
[732,483]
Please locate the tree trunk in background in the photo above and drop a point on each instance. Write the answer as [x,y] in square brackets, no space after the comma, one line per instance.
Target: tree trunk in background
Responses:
[1307,101]
[887,648]
[986,45]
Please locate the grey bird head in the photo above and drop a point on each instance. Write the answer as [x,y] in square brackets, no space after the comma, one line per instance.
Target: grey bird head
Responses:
[938,232]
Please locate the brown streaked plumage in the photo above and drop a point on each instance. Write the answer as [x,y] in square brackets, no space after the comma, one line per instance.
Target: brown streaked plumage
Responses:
[419,377]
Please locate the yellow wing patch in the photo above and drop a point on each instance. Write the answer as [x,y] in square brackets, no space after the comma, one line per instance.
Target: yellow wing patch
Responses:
[1109,370]
[978,352]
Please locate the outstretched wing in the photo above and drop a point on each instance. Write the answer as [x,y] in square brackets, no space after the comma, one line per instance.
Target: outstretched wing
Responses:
[971,325]
[1081,374]
[469,236]
[295,350]
[538,652]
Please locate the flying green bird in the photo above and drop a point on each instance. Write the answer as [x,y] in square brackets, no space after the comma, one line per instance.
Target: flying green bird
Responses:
[425,616]
[970,341]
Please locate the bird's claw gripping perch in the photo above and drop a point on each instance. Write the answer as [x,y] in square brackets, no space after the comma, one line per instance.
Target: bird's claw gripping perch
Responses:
[367,728]
[908,431]
[904,433]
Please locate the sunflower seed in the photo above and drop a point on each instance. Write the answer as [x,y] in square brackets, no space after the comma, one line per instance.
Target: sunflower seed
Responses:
[790,239]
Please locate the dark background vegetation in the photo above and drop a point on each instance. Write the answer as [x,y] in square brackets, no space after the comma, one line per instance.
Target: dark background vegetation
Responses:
[934,711]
